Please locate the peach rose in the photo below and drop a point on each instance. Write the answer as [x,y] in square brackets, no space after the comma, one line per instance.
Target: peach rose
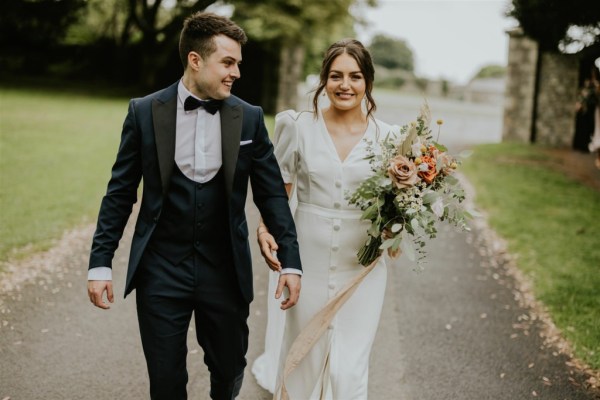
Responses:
[402,172]
[446,162]
[427,174]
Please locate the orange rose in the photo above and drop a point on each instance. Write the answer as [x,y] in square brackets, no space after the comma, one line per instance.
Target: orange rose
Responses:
[429,174]
[402,172]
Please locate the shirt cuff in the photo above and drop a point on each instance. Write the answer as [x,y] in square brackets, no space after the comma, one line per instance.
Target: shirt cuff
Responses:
[100,274]
[291,271]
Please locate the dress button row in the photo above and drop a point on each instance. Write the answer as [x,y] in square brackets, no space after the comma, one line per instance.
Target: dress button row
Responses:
[338,184]
[336,227]
[336,205]
[335,248]
[331,286]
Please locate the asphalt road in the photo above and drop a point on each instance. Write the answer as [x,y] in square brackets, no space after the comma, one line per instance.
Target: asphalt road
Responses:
[456,330]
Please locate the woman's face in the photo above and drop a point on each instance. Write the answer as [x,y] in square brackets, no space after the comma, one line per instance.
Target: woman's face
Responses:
[346,83]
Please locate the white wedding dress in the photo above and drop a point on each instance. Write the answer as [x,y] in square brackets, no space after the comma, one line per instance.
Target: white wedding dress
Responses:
[330,233]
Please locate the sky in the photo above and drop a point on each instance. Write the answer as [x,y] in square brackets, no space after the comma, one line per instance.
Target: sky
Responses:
[450,39]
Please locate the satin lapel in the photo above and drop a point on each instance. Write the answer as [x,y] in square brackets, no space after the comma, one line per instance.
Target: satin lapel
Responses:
[231,132]
[164,120]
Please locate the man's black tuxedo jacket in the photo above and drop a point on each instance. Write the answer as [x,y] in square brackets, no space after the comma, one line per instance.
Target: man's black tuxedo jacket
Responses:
[147,151]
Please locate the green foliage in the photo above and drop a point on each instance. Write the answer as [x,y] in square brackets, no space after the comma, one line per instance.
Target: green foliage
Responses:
[547,21]
[38,24]
[101,19]
[491,71]
[55,163]
[391,53]
[295,20]
[310,24]
[550,223]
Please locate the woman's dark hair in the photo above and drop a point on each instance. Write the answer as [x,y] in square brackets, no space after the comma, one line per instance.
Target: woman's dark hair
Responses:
[198,32]
[356,50]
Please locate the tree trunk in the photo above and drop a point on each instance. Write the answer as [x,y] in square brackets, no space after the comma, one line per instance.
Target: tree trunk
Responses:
[291,62]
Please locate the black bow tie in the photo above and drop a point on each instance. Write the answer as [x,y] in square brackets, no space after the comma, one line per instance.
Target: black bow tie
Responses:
[211,106]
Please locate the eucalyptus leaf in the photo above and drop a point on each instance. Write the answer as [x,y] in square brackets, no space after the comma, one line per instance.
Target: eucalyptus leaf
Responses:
[440,146]
[430,197]
[451,180]
[386,244]
[415,224]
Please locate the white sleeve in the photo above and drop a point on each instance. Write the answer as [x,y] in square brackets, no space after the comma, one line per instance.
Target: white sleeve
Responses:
[286,144]
[100,274]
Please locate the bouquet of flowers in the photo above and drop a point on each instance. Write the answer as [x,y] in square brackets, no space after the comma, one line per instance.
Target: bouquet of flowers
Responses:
[412,188]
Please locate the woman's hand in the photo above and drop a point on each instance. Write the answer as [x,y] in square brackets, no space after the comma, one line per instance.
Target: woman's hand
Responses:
[268,246]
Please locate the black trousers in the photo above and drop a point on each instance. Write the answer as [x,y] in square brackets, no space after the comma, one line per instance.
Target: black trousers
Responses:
[166,296]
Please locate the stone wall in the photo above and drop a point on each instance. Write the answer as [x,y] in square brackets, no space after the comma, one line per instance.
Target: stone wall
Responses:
[520,87]
[548,119]
[558,81]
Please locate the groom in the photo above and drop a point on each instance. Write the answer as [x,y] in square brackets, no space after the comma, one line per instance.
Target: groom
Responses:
[195,146]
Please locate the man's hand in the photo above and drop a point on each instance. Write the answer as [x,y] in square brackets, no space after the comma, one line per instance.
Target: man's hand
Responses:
[267,245]
[292,281]
[96,290]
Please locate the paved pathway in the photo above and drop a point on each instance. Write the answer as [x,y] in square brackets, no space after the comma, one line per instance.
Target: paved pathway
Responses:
[457,330]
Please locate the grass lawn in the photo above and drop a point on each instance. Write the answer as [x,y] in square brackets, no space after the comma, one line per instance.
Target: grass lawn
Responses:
[56,150]
[552,225]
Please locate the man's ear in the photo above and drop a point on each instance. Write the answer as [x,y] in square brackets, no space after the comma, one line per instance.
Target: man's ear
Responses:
[194,60]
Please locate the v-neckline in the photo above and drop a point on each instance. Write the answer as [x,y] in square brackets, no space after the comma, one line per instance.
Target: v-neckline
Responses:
[332,144]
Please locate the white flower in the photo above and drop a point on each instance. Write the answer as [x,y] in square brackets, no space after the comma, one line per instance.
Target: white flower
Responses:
[416,148]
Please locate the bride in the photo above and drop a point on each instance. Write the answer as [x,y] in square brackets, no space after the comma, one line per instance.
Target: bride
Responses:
[321,154]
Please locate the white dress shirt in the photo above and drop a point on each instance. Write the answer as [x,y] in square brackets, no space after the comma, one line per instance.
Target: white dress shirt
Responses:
[197,154]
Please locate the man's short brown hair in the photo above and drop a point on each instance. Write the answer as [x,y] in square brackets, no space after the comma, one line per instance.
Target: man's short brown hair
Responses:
[198,32]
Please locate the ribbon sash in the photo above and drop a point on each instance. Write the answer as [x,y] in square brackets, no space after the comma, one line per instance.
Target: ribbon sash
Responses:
[315,328]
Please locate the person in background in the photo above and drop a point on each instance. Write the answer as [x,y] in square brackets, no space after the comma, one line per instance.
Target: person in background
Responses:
[584,119]
[594,145]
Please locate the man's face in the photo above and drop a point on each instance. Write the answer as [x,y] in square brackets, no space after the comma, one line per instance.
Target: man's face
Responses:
[214,76]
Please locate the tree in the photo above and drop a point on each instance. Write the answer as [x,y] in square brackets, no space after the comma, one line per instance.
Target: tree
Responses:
[491,71]
[391,53]
[550,22]
[156,29]
[135,42]
[293,31]
[29,30]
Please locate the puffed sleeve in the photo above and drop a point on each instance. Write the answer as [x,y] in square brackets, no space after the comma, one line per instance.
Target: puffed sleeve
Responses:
[286,144]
